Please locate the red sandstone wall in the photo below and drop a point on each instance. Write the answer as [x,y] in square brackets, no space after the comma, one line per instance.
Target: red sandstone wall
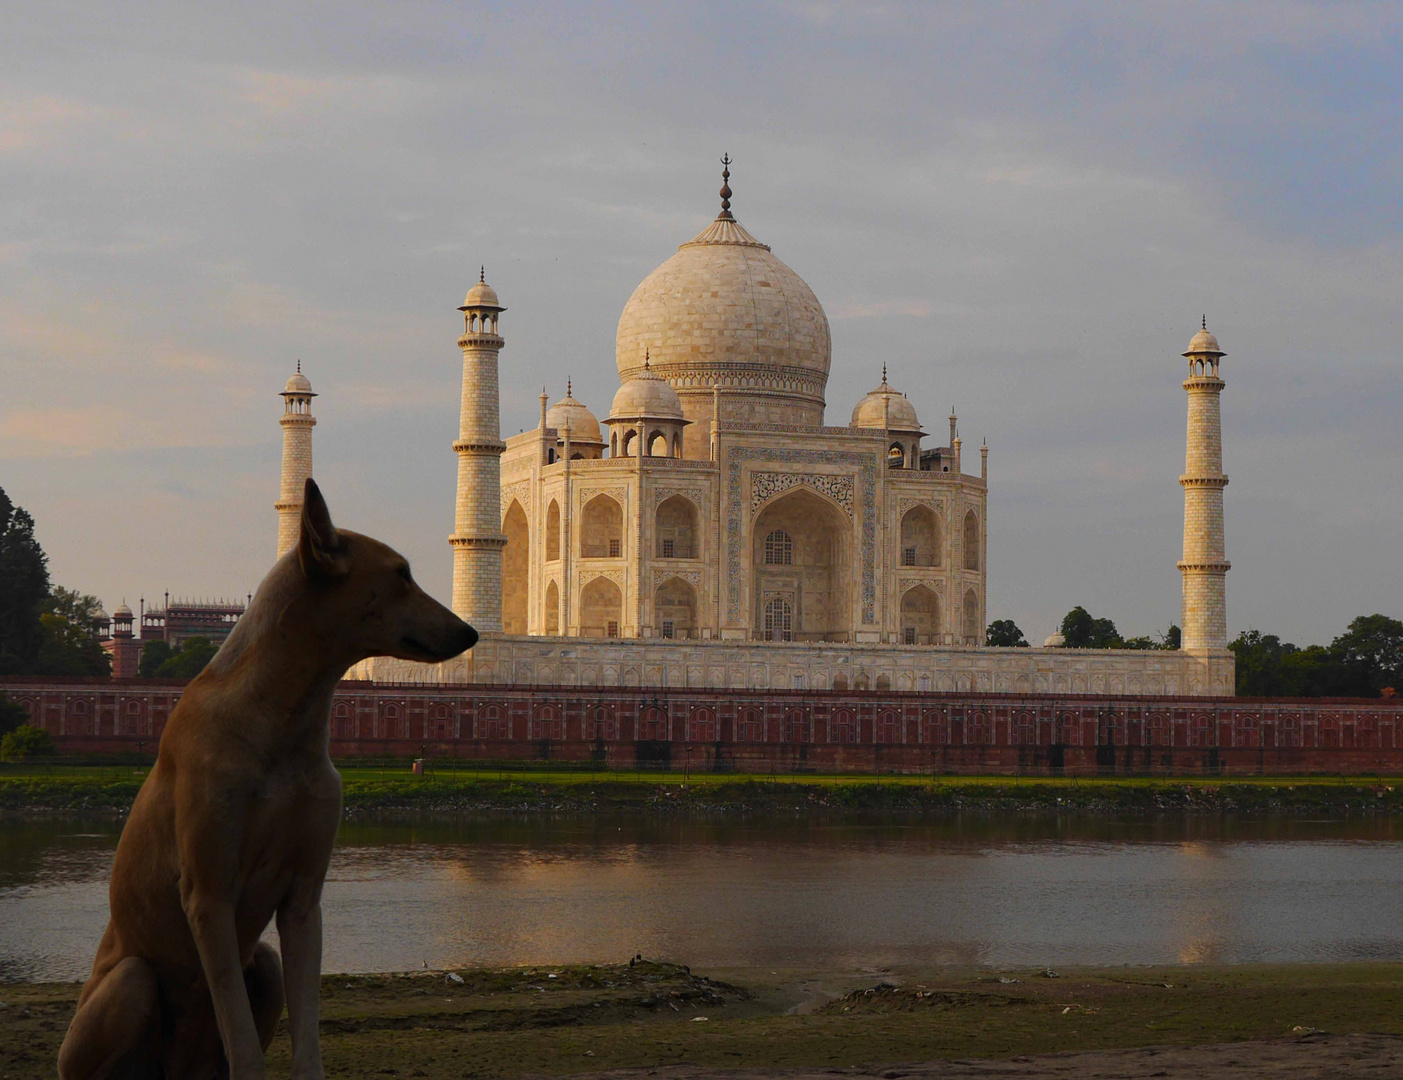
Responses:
[750,731]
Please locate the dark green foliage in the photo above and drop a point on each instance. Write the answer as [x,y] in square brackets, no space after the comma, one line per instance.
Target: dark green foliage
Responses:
[1361,662]
[12,715]
[1004,633]
[70,645]
[24,583]
[153,655]
[1172,637]
[1081,631]
[26,741]
[189,661]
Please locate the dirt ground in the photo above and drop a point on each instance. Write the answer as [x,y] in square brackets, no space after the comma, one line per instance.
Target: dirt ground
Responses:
[662,1020]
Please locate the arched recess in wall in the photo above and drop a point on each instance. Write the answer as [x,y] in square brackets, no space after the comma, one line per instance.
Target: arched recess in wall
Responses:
[553,531]
[971,619]
[675,609]
[971,540]
[812,571]
[601,609]
[676,529]
[516,567]
[552,609]
[920,537]
[657,444]
[920,616]
[601,529]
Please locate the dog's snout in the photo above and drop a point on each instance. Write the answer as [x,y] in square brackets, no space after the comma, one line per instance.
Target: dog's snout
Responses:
[467,636]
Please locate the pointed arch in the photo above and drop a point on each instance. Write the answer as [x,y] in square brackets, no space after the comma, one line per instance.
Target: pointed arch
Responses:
[920,616]
[675,526]
[675,609]
[920,537]
[601,529]
[552,620]
[971,540]
[553,531]
[516,569]
[601,609]
[970,629]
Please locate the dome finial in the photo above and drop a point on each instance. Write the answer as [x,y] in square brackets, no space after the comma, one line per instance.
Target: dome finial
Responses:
[568,388]
[482,275]
[647,357]
[299,365]
[725,189]
[1204,324]
[884,374]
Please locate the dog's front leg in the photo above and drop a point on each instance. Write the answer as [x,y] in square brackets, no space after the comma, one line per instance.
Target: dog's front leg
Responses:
[211,919]
[300,932]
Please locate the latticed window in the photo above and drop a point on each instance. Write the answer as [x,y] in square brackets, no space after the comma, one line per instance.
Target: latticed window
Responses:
[908,556]
[668,628]
[612,630]
[910,635]
[779,620]
[779,548]
[668,549]
[615,548]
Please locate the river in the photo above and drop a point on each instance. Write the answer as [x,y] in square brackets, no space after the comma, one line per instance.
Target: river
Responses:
[1000,891]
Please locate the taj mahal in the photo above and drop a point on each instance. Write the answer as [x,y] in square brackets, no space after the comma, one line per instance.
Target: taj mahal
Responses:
[712,530]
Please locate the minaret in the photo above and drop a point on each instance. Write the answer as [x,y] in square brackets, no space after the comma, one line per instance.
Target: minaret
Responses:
[1205,619]
[477,538]
[297,423]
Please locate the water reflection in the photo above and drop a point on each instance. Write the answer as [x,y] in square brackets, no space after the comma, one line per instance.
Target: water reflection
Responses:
[797,890]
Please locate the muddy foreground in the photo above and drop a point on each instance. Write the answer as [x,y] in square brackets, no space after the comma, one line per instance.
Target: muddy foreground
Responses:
[1338,1021]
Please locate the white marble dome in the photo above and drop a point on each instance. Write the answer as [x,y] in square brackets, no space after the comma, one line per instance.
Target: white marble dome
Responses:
[647,394]
[724,311]
[298,384]
[900,414]
[584,426]
[1204,343]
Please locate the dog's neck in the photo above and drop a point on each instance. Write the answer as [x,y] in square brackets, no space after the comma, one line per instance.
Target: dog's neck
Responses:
[281,661]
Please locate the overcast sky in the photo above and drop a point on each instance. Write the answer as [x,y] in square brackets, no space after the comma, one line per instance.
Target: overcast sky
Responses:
[1021,209]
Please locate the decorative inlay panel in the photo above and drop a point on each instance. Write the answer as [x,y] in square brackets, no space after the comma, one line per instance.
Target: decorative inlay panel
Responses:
[517,491]
[764,486]
[616,576]
[932,583]
[737,524]
[697,495]
[692,577]
[938,505]
[618,494]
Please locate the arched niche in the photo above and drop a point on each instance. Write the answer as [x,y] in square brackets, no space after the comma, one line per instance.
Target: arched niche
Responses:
[920,537]
[970,627]
[516,568]
[601,529]
[675,528]
[552,620]
[601,609]
[552,531]
[675,609]
[920,616]
[971,540]
[811,571]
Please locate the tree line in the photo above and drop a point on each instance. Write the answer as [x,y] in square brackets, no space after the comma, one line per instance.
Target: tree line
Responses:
[1364,661]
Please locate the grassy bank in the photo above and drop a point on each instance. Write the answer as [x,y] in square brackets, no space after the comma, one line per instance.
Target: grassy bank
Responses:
[393,787]
[583,1019]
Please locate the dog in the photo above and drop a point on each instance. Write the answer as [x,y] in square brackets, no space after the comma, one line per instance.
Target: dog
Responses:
[235,824]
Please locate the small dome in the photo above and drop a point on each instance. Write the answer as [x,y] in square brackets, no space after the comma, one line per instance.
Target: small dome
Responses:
[1204,344]
[584,428]
[122,612]
[900,413]
[102,616]
[482,295]
[298,384]
[647,394]
[1055,640]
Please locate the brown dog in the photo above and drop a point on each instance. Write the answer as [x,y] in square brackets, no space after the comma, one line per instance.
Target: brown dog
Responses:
[235,824]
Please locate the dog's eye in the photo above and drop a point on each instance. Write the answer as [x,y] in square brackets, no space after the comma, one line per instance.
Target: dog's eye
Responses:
[404,573]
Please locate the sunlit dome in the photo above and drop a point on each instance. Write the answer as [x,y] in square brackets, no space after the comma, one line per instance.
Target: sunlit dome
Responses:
[647,394]
[886,407]
[584,427]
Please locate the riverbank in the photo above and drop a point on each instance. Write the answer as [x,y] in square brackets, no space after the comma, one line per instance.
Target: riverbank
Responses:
[591,1020]
[373,789]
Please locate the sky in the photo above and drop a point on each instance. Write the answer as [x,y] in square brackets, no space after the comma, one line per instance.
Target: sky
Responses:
[1021,209]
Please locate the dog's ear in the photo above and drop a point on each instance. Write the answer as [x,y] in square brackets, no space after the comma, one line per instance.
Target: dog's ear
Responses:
[319,548]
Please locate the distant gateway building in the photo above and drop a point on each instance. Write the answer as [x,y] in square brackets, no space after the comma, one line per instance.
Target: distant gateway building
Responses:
[713,531]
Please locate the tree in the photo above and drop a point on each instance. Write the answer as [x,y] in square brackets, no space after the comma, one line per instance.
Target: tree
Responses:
[24,583]
[26,741]
[189,661]
[12,715]
[1081,631]
[153,655]
[1004,634]
[1371,649]
[70,645]
[1171,639]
